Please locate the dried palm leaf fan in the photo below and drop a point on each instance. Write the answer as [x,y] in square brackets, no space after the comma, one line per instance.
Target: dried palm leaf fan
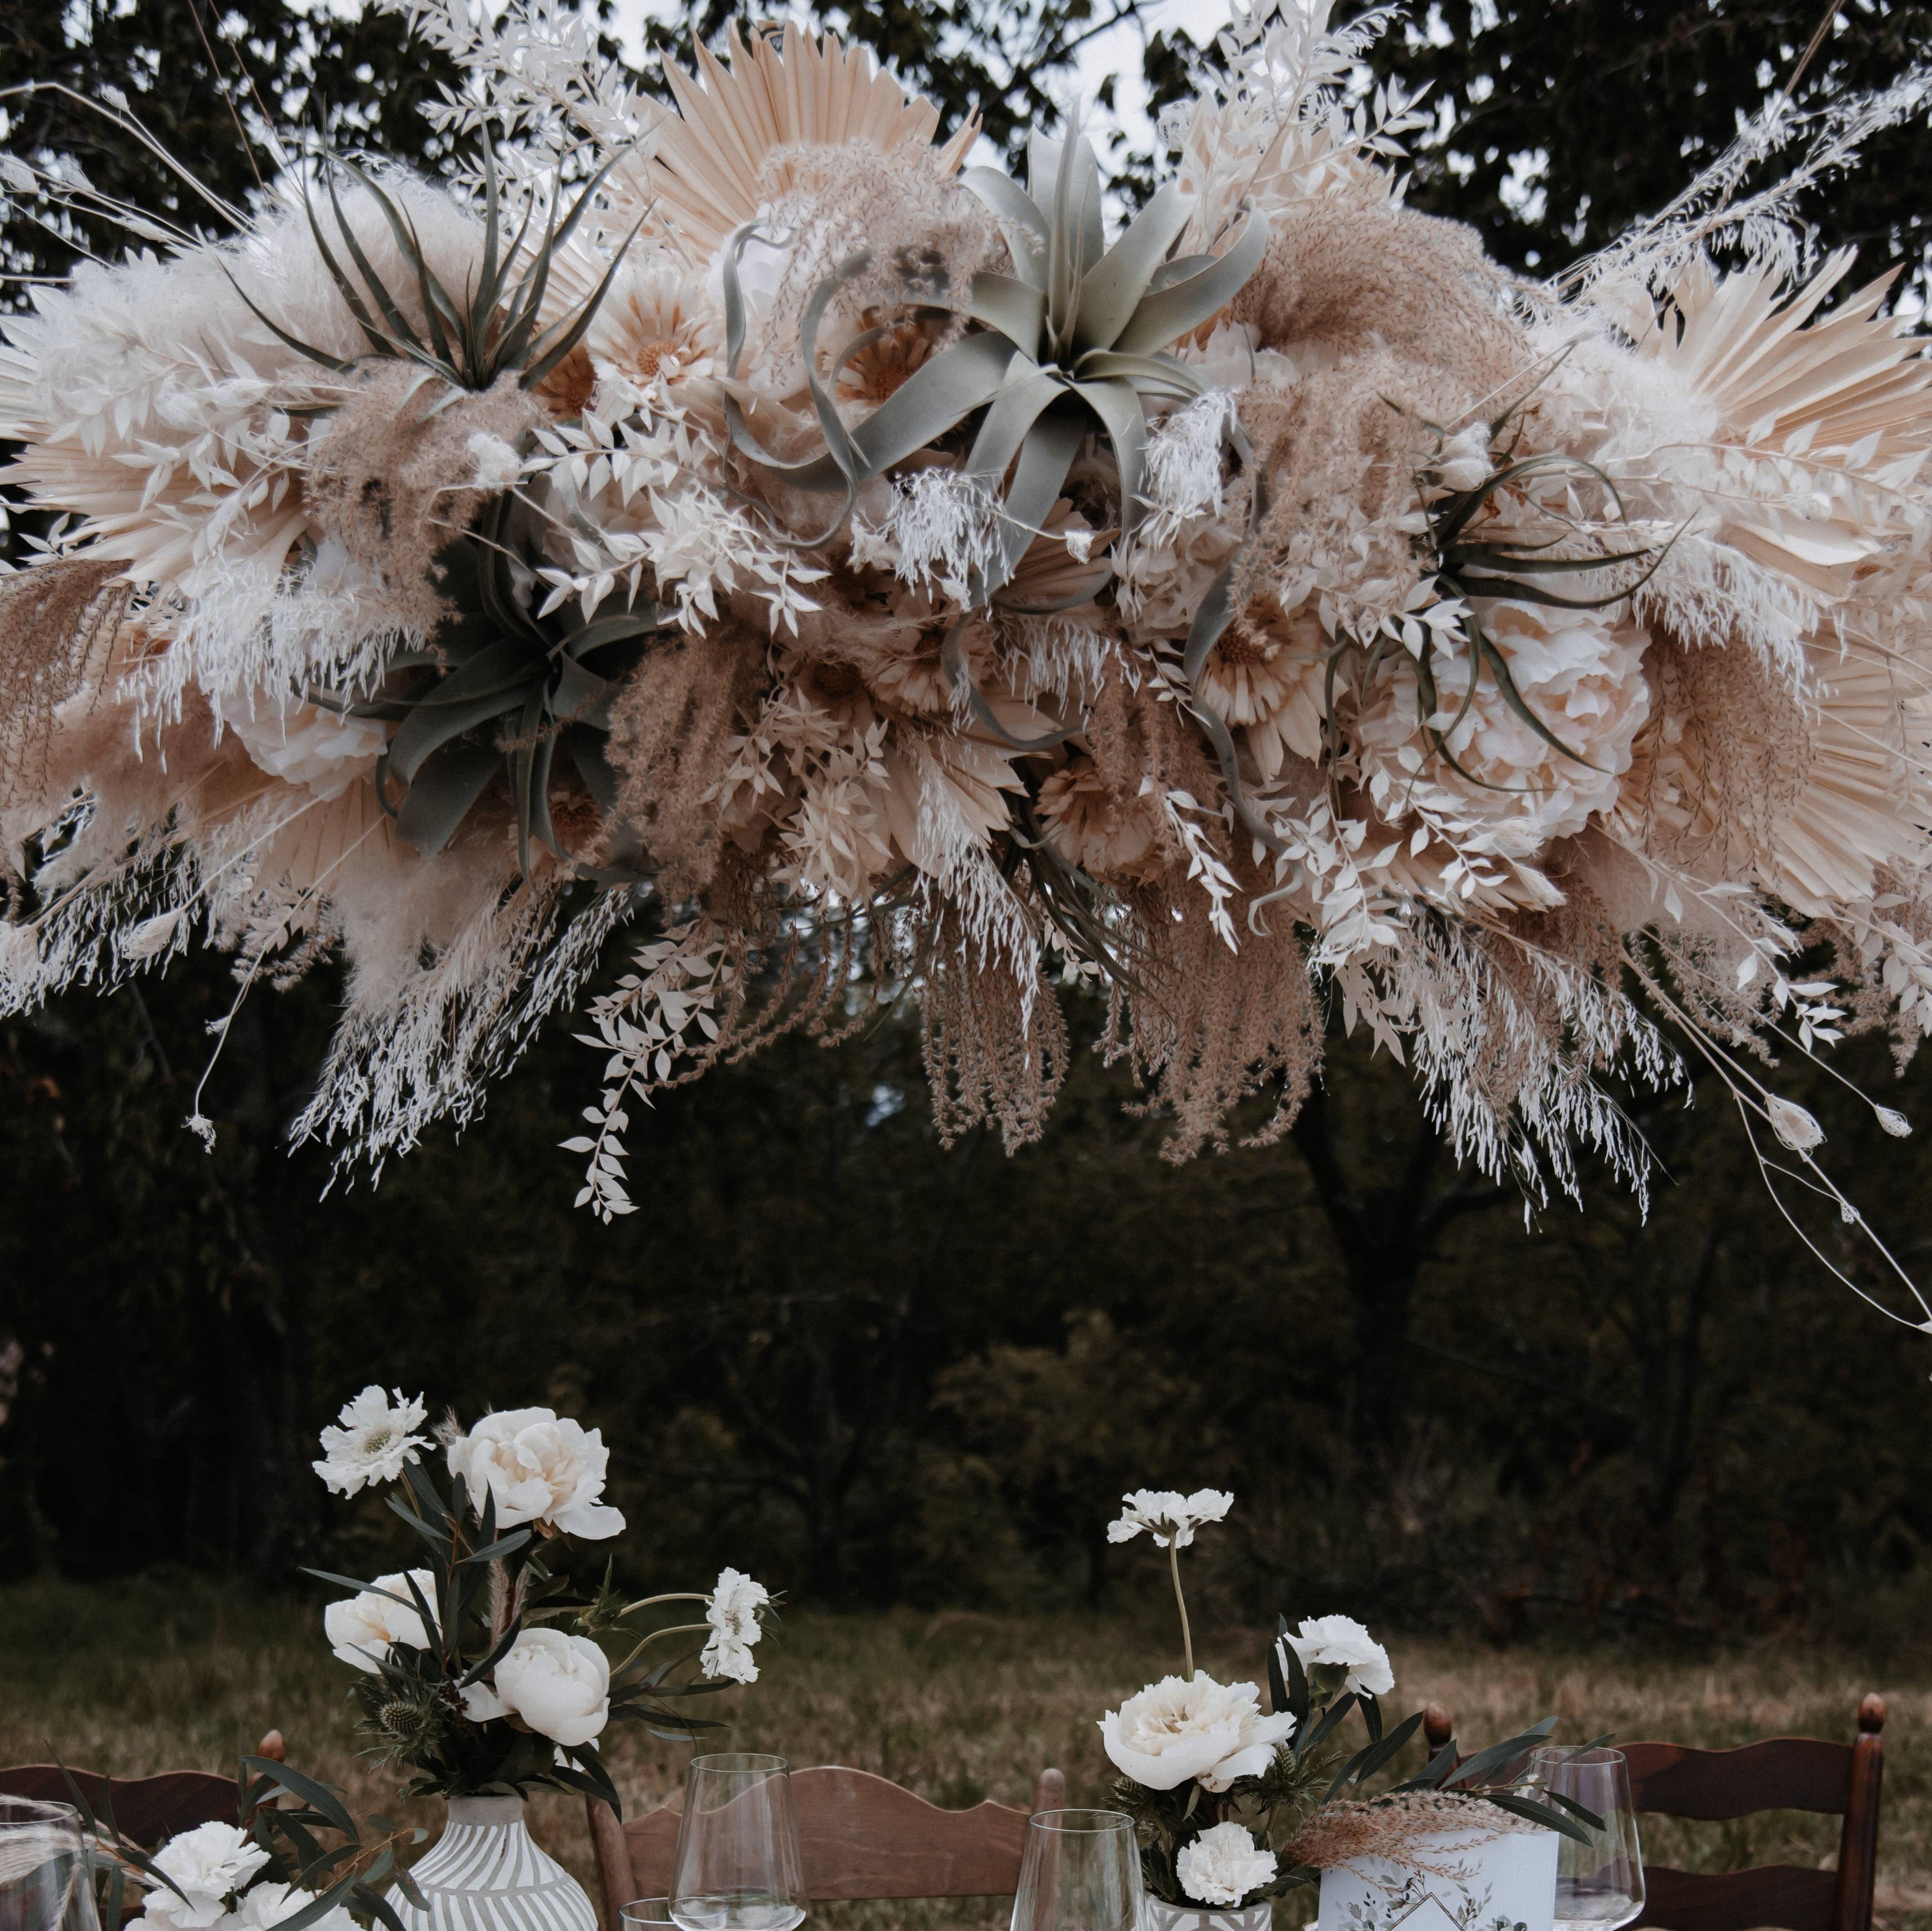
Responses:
[869,576]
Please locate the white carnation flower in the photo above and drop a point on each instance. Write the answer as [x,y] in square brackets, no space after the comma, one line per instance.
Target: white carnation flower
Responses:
[559,1684]
[361,1630]
[1178,1729]
[269,1904]
[1168,1516]
[206,1863]
[733,1613]
[372,1443]
[1340,1641]
[540,1470]
[1223,1865]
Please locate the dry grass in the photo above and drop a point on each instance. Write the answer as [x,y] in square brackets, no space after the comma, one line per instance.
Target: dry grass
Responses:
[144,1676]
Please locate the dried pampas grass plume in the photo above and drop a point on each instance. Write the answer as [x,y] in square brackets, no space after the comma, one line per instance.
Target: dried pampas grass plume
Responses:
[57,621]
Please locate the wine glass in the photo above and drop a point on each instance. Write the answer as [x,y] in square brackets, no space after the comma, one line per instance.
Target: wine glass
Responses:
[738,1866]
[1080,1872]
[646,1914]
[1599,1884]
[45,1879]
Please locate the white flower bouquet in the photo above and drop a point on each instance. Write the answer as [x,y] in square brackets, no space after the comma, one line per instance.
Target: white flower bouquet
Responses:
[483,1676]
[1235,1805]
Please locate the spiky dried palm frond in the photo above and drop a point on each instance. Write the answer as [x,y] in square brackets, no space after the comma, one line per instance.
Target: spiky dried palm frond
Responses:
[712,168]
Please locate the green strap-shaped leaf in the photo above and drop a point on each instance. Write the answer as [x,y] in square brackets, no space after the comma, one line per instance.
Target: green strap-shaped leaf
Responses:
[1051,443]
[1118,407]
[1026,395]
[493,681]
[1170,312]
[1009,201]
[1015,308]
[442,792]
[1114,287]
[1151,375]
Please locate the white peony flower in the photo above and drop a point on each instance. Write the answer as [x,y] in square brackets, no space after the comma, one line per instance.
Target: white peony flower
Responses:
[733,1613]
[268,1905]
[481,1703]
[361,1630]
[1582,676]
[207,1862]
[540,1470]
[323,750]
[1167,1516]
[1342,1640]
[1176,1729]
[1223,1865]
[372,1443]
[560,1685]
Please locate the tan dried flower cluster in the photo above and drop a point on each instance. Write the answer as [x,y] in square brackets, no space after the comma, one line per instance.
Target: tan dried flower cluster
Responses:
[838,580]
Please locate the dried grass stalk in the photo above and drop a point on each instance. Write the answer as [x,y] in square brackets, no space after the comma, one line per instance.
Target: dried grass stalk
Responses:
[57,622]
[1398,1828]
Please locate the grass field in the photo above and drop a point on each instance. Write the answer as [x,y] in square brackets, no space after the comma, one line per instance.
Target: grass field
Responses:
[148,1675]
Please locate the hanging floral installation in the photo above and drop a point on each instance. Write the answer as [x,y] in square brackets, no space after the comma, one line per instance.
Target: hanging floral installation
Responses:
[868,576]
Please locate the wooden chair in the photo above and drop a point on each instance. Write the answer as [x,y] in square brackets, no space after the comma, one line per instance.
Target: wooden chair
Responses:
[861,1837]
[1780,1773]
[148,1809]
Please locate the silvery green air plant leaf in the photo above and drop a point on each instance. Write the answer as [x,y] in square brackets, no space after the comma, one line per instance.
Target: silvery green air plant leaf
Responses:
[1075,341]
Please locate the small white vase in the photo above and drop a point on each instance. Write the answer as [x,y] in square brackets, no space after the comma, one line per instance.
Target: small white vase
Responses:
[486,1873]
[1482,1881]
[1156,1916]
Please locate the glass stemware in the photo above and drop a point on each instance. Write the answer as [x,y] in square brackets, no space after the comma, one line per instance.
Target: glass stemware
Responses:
[642,1913]
[738,1866]
[1599,1884]
[45,1879]
[1080,1872]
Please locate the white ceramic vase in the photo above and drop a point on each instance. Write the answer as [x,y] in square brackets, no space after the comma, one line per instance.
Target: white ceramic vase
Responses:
[1156,1916]
[486,1873]
[1482,1881]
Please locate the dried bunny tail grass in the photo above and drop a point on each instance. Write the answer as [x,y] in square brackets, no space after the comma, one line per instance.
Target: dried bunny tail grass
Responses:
[672,730]
[1354,279]
[394,483]
[996,1046]
[1203,1026]
[1398,1828]
[58,620]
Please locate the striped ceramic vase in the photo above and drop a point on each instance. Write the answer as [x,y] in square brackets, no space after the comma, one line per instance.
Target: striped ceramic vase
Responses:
[487,1873]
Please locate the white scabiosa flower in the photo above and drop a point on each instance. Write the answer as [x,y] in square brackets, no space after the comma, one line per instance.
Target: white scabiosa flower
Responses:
[1340,1641]
[1223,1865]
[1168,1516]
[733,1613]
[372,1442]
[1185,1727]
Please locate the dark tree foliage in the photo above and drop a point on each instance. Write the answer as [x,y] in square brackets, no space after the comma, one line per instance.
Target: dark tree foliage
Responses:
[1562,121]
[208,82]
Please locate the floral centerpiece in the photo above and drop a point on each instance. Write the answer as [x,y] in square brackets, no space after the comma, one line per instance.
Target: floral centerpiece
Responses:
[739,521]
[1235,1805]
[484,1674]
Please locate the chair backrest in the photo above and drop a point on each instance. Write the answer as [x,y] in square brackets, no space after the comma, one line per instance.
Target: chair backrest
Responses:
[147,1809]
[861,1837]
[1780,1773]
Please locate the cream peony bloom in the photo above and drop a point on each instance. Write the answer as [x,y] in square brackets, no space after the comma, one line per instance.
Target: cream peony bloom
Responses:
[1223,1865]
[372,1442]
[361,1629]
[560,1685]
[1176,1729]
[733,1613]
[207,1863]
[1340,1641]
[1168,1516]
[540,1469]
